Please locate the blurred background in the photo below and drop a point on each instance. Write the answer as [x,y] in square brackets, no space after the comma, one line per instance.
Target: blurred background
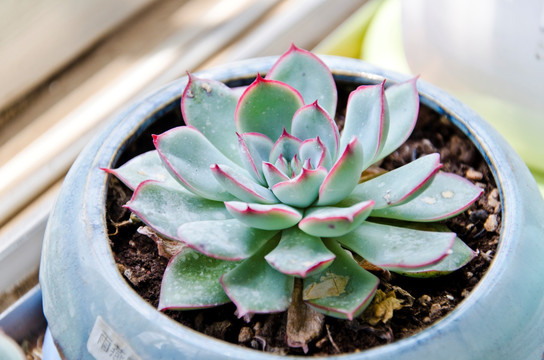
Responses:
[68,65]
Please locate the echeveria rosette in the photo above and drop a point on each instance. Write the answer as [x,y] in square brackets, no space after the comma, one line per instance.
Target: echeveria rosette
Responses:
[262,188]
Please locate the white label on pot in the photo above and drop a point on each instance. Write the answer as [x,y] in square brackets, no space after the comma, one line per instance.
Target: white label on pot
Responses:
[105,344]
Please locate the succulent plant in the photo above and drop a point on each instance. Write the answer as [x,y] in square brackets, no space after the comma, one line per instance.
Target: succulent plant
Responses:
[263,188]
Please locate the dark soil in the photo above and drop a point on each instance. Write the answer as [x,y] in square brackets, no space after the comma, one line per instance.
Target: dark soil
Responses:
[425,301]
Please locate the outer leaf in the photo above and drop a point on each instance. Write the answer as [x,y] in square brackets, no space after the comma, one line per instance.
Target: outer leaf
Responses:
[147,166]
[299,254]
[267,107]
[460,255]
[209,106]
[295,67]
[272,174]
[302,190]
[393,247]
[191,281]
[188,156]
[397,185]
[255,287]
[266,217]
[446,195]
[164,209]
[403,104]
[343,176]
[334,221]
[287,146]
[312,121]
[241,186]
[354,297]
[254,149]
[224,239]
[366,114]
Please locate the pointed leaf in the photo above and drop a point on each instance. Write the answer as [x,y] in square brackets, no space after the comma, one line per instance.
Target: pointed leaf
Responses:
[366,115]
[299,254]
[164,209]
[302,190]
[393,247]
[287,146]
[266,217]
[309,75]
[397,185]
[254,149]
[255,287]
[267,107]
[209,106]
[311,122]
[344,289]
[334,221]
[403,104]
[242,187]
[314,151]
[272,174]
[191,281]
[446,195]
[188,156]
[147,166]
[224,239]
[343,176]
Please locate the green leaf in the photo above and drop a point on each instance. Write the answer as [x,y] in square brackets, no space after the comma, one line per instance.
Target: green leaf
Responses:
[446,195]
[255,149]
[209,106]
[302,190]
[267,107]
[403,104]
[224,239]
[287,146]
[255,287]
[147,166]
[272,174]
[263,216]
[188,156]
[393,247]
[242,187]
[165,209]
[309,75]
[334,221]
[366,115]
[345,289]
[314,152]
[397,185]
[191,281]
[312,121]
[299,254]
[343,176]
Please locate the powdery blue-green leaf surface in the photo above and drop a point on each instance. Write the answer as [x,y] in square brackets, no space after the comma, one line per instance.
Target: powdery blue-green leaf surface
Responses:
[224,239]
[446,195]
[312,121]
[343,290]
[393,247]
[267,107]
[309,75]
[302,190]
[313,154]
[255,287]
[147,166]
[286,146]
[403,104]
[272,174]
[254,149]
[460,255]
[263,216]
[397,185]
[191,281]
[366,114]
[344,175]
[165,209]
[299,254]
[188,156]
[242,187]
[209,106]
[334,221]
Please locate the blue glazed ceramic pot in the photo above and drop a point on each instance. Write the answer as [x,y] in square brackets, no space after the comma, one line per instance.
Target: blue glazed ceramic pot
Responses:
[92,311]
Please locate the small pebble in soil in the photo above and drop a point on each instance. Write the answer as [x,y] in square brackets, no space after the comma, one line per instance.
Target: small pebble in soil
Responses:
[491,224]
